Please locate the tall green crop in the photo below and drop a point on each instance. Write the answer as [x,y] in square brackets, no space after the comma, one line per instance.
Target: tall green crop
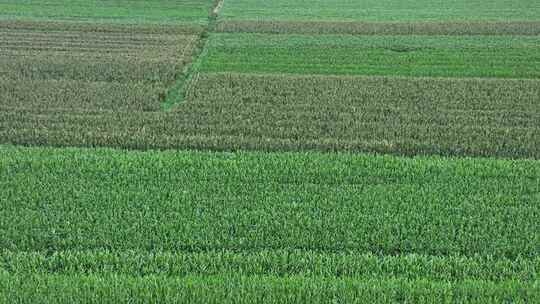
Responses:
[101,225]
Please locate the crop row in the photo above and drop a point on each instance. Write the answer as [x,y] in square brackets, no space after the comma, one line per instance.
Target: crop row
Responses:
[279,263]
[62,34]
[474,117]
[94,56]
[59,200]
[382,28]
[86,67]
[97,44]
[52,27]
[388,17]
[421,11]
[224,128]
[255,289]
[436,56]
[78,96]
[464,95]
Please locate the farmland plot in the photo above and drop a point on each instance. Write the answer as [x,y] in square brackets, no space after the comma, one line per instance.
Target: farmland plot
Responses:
[382,17]
[116,102]
[95,55]
[82,68]
[381,10]
[185,12]
[105,84]
[207,226]
[457,95]
[454,78]
[409,116]
[439,56]
[224,111]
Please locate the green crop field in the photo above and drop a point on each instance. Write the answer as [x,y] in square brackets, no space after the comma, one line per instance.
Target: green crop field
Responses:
[253,221]
[207,151]
[382,16]
[437,56]
[108,11]
[381,10]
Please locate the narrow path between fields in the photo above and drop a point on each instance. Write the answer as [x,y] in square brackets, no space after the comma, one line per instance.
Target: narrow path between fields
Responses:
[218,7]
[178,92]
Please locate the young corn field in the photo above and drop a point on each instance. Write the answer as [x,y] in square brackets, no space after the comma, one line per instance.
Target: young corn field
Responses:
[168,225]
[201,151]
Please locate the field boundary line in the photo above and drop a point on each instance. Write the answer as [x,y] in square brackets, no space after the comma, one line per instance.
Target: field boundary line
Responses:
[177,93]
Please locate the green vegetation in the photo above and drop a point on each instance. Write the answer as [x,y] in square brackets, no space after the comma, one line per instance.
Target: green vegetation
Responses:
[381,10]
[255,289]
[89,200]
[383,28]
[286,80]
[82,221]
[457,17]
[271,262]
[83,54]
[444,56]
[480,117]
[81,67]
[78,96]
[82,84]
[108,11]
